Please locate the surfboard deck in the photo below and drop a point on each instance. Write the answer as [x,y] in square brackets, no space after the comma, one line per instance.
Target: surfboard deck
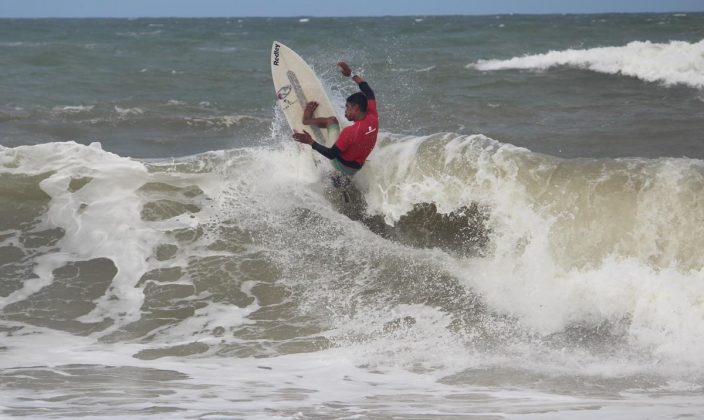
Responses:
[296,84]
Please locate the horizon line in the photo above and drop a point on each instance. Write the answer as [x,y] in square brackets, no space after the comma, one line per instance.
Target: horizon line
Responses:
[353,16]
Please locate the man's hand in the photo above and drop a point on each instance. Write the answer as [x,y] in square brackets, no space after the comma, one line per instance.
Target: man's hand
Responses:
[310,109]
[347,72]
[344,69]
[303,137]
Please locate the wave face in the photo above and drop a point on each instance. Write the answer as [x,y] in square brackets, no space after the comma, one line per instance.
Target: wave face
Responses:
[676,62]
[574,243]
[577,268]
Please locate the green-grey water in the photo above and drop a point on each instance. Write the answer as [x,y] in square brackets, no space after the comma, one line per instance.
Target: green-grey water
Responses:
[523,242]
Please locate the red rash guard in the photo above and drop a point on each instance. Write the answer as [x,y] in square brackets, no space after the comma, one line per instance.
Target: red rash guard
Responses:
[357,141]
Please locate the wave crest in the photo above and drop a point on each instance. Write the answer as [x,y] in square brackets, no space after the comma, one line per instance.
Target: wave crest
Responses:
[676,62]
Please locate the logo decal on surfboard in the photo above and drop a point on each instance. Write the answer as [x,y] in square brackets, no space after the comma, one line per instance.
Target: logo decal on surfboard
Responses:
[277,47]
[283,92]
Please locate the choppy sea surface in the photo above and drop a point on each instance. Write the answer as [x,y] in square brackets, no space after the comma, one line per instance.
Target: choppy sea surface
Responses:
[524,242]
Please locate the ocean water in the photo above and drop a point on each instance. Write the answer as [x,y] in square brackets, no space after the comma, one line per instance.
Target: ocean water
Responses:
[524,242]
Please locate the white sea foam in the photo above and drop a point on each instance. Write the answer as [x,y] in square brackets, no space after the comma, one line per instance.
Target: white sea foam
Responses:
[97,225]
[676,62]
[23,44]
[571,244]
[610,241]
[524,276]
[126,112]
[72,109]
[226,121]
[138,34]
[308,385]
[420,70]
[225,50]
[100,220]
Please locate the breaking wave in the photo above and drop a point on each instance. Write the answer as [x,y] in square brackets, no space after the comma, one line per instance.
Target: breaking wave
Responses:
[676,62]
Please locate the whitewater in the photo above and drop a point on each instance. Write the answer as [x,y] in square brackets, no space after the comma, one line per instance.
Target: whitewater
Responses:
[590,270]
[524,241]
[676,62]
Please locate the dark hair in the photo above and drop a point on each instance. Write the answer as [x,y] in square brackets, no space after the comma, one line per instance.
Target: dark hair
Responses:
[358,99]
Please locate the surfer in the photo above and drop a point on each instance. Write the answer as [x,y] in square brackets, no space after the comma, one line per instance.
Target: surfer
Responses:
[355,142]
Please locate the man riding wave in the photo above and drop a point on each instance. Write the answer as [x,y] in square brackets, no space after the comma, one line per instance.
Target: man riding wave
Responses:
[355,142]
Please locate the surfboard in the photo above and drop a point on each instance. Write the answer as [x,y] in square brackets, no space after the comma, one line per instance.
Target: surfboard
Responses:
[296,84]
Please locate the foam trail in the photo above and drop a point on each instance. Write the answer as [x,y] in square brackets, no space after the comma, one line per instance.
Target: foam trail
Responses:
[677,62]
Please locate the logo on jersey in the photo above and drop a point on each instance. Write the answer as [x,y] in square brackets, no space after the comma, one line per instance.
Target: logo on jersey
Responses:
[370,130]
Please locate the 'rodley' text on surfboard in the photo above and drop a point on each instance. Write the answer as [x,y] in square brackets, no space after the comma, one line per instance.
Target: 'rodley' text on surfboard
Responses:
[276,54]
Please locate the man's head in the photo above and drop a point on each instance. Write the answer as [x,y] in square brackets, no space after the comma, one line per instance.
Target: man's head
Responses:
[356,106]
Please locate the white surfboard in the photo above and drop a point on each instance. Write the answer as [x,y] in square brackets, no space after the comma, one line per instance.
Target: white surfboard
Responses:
[296,84]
